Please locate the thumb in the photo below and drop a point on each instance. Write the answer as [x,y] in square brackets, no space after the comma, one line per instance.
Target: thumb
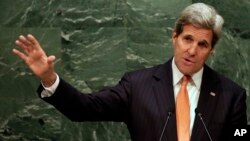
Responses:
[51,59]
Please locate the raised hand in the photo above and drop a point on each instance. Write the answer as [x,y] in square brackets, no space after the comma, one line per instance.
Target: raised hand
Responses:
[36,59]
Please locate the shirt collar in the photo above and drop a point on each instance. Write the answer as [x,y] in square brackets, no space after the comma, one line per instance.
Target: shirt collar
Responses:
[177,75]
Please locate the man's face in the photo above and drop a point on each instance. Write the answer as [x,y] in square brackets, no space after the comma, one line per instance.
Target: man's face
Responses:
[192,48]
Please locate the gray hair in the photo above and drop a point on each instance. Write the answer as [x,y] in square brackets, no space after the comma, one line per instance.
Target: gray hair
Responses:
[203,16]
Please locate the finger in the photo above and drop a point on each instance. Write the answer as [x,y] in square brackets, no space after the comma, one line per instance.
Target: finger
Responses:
[34,41]
[26,42]
[51,59]
[22,46]
[19,54]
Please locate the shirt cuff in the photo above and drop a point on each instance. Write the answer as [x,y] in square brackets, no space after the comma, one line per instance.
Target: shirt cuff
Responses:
[49,91]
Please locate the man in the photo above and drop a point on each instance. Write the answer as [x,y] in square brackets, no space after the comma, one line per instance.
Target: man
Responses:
[166,102]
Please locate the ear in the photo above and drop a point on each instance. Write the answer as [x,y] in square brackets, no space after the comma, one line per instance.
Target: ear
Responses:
[174,38]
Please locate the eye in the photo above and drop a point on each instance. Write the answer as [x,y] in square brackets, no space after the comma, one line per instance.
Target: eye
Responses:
[203,44]
[187,38]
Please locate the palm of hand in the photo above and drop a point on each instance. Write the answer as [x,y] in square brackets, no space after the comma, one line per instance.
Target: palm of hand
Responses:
[37,62]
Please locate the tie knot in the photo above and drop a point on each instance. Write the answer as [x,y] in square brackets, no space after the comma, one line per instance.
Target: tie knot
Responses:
[185,80]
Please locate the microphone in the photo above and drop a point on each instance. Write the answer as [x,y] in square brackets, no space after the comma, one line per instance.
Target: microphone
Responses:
[204,125]
[165,125]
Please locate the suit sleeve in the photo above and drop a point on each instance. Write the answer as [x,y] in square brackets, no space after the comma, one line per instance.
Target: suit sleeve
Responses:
[110,104]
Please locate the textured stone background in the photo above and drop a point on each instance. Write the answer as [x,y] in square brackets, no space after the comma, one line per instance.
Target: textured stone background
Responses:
[95,42]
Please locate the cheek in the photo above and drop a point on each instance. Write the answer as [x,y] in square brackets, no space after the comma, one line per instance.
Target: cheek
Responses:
[178,47]
[203,57]
[177,51]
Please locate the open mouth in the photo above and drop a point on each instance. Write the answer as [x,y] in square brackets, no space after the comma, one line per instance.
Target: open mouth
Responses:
[188,61]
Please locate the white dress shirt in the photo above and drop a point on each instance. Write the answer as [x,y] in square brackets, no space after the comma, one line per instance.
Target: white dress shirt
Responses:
[193,88]
[49,91]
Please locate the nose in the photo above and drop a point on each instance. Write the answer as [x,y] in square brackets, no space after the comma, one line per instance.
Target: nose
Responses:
[192,49]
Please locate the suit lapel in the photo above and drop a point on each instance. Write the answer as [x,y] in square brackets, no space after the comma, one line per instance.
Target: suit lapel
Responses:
[207,102]
[163,90]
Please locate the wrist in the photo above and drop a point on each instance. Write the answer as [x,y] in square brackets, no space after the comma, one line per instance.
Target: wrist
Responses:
[49,80]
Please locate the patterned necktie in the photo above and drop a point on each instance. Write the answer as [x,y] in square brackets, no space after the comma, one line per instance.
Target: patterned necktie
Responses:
[183,111]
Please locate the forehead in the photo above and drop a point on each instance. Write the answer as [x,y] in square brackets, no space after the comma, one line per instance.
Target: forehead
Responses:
[197,33]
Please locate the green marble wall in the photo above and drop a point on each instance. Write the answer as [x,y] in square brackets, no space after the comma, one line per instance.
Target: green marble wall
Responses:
[95,42]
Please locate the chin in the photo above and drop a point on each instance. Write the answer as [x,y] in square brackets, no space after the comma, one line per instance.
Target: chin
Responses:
[187,71]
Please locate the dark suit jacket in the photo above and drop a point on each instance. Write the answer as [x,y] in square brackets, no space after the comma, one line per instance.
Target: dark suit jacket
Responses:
[143,98]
